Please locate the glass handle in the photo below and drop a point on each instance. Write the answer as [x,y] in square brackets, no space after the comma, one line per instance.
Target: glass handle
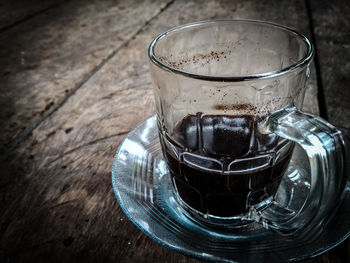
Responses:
[328,157]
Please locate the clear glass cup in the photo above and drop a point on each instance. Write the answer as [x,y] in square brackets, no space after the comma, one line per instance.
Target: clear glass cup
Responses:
[228,95]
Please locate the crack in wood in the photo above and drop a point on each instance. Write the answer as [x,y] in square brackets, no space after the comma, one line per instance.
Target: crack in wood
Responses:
[27,131]
[26,18]
[88,144]
[63,203]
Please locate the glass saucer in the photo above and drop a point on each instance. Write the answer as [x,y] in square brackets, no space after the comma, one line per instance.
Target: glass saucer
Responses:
[144,191]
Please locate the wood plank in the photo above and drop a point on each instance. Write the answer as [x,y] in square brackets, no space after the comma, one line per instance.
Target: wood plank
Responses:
[331,21]
[18,11]
[46,59]
[56,188]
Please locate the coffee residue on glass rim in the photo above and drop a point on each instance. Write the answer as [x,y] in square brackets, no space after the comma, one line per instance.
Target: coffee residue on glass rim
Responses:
[198,58]
[243,107]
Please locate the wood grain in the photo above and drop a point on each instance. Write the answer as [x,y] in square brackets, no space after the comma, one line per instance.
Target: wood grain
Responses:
[58,202]
[332,39]
[46,59]
[15,12]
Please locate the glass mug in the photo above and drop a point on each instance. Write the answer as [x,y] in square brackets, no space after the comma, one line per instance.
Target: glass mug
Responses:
[227,97]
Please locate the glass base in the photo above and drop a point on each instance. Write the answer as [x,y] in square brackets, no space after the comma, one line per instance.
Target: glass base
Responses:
[238,222]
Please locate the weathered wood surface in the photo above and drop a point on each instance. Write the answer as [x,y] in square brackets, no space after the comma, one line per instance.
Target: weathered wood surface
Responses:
[15,12]
[331,21]
[57,200]
[46,59]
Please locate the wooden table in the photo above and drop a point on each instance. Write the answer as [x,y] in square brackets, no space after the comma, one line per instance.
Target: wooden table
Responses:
[74,81]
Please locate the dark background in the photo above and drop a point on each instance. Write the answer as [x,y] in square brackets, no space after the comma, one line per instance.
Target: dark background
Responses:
[74,81]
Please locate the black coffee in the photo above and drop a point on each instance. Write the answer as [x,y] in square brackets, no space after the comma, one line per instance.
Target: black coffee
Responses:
[208,176]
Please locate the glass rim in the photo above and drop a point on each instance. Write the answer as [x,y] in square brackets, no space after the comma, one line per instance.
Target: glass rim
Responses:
[300,63]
